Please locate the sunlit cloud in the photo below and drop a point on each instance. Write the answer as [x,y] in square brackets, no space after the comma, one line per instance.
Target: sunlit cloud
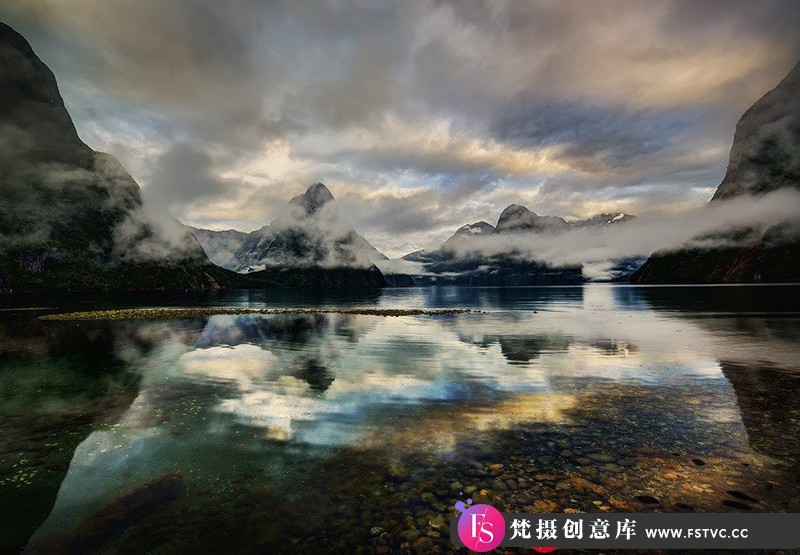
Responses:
[451,110]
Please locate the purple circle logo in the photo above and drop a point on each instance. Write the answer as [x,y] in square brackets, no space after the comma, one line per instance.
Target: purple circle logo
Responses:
[481,527]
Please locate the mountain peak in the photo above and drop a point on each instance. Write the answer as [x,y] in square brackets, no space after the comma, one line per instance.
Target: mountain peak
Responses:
[313,199]
[31,108]
[471,230]
[515,209]
[12,38]
[478,228]
[306,236]
[72,218]
[514,216]
[764,154]
[319,189]
[517,218]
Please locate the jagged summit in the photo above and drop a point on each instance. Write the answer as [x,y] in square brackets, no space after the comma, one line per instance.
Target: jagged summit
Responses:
[313,199]
[309,233]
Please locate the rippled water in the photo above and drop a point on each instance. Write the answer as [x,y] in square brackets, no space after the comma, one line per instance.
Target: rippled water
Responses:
[309,433]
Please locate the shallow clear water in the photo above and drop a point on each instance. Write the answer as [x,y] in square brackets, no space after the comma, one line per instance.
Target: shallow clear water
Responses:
[307,433]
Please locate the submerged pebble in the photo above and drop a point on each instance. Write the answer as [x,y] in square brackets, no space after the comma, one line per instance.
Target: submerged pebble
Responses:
[742,496]
[737,505]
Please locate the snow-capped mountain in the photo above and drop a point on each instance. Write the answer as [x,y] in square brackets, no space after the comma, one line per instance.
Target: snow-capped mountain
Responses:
[310,232]
[465,259]
[602,220]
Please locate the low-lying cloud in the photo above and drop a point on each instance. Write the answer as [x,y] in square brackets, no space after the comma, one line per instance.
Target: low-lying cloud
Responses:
[720,224]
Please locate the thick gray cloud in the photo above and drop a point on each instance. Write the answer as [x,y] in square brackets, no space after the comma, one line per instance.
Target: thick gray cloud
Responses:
[420,115]
[184,174]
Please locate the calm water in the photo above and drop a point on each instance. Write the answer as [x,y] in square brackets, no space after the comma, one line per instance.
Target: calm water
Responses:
[342,433]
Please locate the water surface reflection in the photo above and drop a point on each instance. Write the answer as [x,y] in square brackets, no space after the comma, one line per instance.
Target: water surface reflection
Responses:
[582,398]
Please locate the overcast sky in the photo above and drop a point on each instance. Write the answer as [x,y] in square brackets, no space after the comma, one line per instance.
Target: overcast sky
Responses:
[420,116]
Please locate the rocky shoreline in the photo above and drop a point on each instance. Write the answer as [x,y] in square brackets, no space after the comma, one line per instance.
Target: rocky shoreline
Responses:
[165,313]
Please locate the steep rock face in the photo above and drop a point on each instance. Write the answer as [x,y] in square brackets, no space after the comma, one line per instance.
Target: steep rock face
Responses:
[311,237]
[765,157]
[32,110]
[72,218]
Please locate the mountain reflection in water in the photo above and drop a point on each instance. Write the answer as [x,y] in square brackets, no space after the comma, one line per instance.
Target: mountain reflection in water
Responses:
[183,432]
